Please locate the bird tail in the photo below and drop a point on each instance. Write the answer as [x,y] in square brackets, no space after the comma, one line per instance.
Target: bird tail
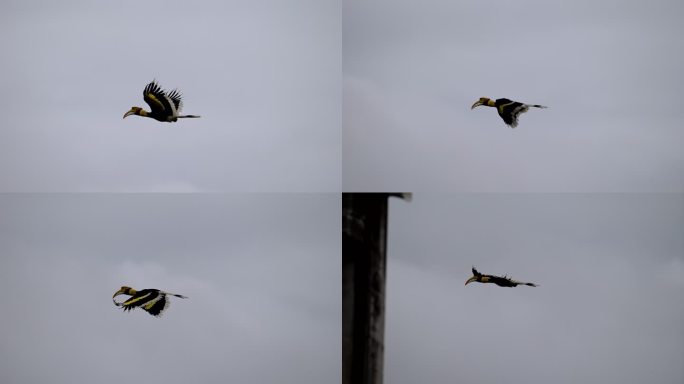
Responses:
[190,116]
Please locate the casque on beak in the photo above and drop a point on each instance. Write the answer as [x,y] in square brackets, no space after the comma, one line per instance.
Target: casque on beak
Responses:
[472,278]
[120,291]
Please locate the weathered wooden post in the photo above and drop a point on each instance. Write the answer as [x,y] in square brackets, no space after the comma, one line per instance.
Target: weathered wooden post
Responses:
[364,237]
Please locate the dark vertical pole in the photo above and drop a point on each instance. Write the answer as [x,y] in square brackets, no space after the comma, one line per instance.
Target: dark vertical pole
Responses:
[364,236]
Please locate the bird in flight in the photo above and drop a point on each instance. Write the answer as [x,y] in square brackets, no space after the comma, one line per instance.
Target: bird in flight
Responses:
[504,281]
[153,301]
[165,106]
[508,110]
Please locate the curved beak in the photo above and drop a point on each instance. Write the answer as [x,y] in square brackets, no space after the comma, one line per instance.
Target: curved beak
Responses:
[131,112]
[471,280]
[477,104]
[120,291]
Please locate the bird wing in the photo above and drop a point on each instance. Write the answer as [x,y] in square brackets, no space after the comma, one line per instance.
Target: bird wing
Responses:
[502,281]
[156,306]
[160,103]
[510,111]
[141,298]
[175,97]
[506,281]
[516,283]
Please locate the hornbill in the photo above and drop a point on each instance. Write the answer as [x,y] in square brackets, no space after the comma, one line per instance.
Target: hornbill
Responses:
[165,106]
[153,301]
[508,109]
[498,280]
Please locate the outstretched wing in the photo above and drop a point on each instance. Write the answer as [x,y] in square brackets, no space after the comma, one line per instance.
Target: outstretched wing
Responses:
[506,281]
[160,103]
[140,299]
[175,97]
[502,281]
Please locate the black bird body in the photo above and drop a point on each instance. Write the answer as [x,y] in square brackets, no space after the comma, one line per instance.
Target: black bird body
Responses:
[509,110]
[164,106]
[153,301]
[504,281]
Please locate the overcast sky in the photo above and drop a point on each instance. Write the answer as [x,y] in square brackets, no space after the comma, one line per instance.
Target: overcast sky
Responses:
[609,71]
[264,75]
[608,309]
[322,96]
[262,274]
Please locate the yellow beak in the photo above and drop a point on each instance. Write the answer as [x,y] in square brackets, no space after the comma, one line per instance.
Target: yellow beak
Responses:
[131,112]
[471,280]
[119,292]
[477,104]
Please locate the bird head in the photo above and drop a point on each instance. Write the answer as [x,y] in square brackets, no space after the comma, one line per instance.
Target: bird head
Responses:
[476,274]
[133,111]
[124,291]
[482,101]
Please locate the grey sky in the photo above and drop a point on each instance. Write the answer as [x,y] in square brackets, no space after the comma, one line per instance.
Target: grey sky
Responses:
[262,274]
[608,309]
[264,75]
[312,96]
[610,72]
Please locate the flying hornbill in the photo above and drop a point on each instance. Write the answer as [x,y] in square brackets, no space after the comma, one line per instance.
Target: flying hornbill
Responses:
[498,280]
[508,109]
[153,301]
[165,106]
